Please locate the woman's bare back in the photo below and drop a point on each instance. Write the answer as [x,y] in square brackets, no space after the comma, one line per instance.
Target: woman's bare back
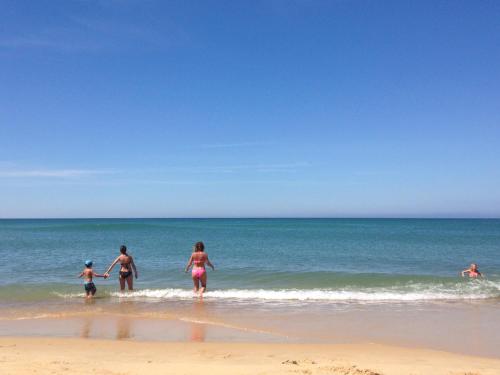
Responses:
[125,262]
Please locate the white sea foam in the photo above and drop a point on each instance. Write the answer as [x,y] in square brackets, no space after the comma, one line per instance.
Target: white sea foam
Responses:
[414,292]
[68,295]
[29,317]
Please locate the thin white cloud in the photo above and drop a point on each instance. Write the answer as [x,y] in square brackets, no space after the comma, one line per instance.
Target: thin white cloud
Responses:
[48,41]
[57,173]
[26,41]
[92,34]
[209,182]
[9,172]
[277,167]
[229,168]
[216,169]
[236,145]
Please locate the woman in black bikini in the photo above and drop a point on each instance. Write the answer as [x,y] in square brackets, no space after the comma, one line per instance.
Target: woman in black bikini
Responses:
[127,265]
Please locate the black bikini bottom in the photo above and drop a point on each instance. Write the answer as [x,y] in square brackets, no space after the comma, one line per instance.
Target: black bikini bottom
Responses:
[125,274]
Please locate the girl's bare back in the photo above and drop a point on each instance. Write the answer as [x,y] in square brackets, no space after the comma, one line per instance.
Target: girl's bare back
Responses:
[199,259]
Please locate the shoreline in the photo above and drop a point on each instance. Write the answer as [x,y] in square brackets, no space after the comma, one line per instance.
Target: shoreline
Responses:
[25,355]
[463,328]
[448,331]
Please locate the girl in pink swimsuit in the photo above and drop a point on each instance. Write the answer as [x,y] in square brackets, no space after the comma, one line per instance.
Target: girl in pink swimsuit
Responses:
[199,273]
[472,271]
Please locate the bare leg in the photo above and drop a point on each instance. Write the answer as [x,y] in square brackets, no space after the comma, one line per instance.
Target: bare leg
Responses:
[203,280]
[196,282]
[122,283]
[130,282]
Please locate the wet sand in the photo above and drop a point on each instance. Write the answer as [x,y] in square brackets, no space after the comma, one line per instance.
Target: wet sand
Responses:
[463,328]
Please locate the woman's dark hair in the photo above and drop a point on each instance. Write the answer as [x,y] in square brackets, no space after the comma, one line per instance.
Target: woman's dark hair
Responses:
[123,249]
[199,246]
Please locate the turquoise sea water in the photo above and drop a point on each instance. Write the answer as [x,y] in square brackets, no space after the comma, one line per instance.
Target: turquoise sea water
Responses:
[267,260]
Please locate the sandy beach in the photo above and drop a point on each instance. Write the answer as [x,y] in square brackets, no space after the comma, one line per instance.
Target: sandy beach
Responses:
[78,356]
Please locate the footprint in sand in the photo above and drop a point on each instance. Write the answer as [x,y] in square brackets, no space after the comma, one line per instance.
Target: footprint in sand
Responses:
[300,362]
[348,370]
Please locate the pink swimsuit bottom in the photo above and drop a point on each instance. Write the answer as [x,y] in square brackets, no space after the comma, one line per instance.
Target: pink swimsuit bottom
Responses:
[198,272]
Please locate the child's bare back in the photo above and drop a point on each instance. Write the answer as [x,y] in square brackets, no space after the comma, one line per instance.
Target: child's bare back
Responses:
[88,274]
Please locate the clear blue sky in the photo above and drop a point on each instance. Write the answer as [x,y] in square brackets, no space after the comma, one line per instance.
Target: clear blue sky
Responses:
[249,108]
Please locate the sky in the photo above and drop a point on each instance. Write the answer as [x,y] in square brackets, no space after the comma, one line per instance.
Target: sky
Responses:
[249,108]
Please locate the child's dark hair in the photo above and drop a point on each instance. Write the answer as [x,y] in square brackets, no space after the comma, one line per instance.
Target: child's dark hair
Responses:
[123,249]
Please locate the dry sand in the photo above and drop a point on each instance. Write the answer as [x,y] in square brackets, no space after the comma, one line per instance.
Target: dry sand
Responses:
[83,356]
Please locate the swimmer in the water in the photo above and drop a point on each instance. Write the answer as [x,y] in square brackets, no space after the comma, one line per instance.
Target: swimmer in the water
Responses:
[472,271]
[199,274]
[87,274]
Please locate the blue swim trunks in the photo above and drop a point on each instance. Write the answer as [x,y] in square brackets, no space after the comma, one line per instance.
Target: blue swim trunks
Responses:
[90,287]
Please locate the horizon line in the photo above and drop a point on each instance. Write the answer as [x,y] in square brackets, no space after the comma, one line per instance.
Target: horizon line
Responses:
[262,218]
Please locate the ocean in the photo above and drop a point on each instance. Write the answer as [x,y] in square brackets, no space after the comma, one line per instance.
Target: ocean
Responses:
[394,281]
[259,260]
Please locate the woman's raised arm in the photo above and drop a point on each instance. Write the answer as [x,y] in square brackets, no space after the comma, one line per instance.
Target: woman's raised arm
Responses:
[110,268]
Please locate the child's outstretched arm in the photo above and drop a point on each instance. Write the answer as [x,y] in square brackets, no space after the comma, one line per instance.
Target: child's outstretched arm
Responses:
[80,275]
[99,275]
[465,271]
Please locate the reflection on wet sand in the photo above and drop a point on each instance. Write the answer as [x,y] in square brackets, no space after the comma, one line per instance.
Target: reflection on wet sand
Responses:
[94,326]
[198,329]
[125,319]
[89,301]
[123,323]
[123,328]
[86,328]
[127,306]
[87,322]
